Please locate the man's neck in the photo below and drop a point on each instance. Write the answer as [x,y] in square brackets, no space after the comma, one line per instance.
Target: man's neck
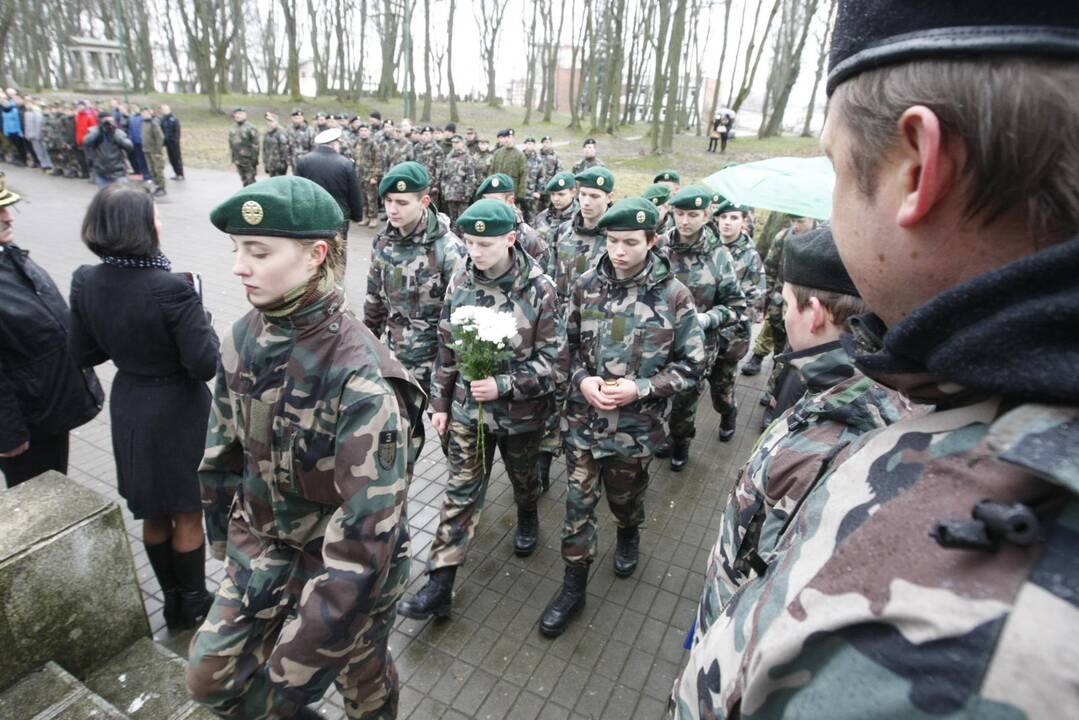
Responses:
[496,271]
[690,239]
[407,230]
[588,224]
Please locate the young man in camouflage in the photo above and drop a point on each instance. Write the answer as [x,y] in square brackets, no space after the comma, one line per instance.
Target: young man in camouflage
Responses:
[397,149]
[369,172]
[483,157]
[314,431]
[588,157]
[153,147]
[561,194]
[413,259]
[535,166]
[544,171]
[276,148]
[516,400]
[429,154]
[932,572]
[509,160]
[659,194]
[500,187]
[301,137]
[730,221]
[458,179]
[244,146]
[703,264]
[633,342]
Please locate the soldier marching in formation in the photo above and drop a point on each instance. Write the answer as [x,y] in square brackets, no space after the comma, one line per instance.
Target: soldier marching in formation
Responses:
[276,148]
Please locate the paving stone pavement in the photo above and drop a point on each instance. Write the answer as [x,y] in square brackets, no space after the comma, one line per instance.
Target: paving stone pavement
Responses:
[617,660]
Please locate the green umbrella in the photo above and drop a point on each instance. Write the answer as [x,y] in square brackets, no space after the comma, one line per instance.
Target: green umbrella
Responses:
[794,185]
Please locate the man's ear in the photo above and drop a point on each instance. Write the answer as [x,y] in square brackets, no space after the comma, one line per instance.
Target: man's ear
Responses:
[928,169]
[319,250]
[511,238]
[821,316]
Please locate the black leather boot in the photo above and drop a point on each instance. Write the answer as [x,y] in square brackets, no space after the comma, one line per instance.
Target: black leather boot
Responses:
[679,455]
[727,425]
[524,542]
[194,600]
[160,556]
[567,603]
[434,598]
[544,461]
[753,365]
[664,449]
[627,551]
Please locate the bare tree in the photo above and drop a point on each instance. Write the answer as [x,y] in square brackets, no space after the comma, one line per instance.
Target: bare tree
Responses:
[292,70]
[553,42]
[612,87]
[674,55]
[531,51]
[714,105]
[210,34]
[388,23]
[425,115]
[489,15]
[574,85]
[822,56]
[658,78]
[786,62]
[454,117]
[750,69]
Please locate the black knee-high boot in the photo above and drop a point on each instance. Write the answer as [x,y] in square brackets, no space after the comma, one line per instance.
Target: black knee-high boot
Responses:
[194,600]
[160,555]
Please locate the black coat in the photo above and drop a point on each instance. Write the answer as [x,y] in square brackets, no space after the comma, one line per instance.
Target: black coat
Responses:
[170,125]
[108,151]
[337,175]
[42,390]
[152,325]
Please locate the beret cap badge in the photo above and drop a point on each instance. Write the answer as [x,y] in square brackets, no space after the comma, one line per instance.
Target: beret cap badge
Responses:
[697,202]
[561,182]
[601,180]
[494,182]
[640,217]
[481,226]
[401,185]
[251,212]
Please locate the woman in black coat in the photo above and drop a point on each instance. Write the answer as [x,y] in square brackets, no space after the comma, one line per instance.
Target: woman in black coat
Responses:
[151,323]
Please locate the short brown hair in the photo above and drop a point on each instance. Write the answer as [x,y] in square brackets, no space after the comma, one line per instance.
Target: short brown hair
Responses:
[1018,119]
[120,221]
[842,307]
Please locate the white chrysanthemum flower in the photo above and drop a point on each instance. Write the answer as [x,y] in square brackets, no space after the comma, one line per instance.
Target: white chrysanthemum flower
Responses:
[464,316]
[496,327]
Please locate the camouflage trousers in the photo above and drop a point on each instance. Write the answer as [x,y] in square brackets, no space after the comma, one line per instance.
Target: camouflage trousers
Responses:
[157,168]
[684,413]
[229,668]
[624,478]
[370,204]
[454,208]
[467,487]
[777,337]
[247,173]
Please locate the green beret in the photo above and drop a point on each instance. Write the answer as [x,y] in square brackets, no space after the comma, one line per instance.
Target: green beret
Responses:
[692,197]
[285,206]
[497,183]
[811,260]
[632,213]
[487,217]
[408,176]
[597,177]
[727,206]
[657,194]
[561,181]
[667,176]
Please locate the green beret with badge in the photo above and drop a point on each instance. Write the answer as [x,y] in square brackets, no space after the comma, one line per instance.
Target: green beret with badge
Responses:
[632,213]
[497,183]
[408,176]
[488,218]
[692,197]
[597,177]
[657,193]
[562,181]
[285,206]
[726,206]
[667,176]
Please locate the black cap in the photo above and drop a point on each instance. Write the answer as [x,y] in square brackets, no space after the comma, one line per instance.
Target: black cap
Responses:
[451,127]
[545,138]
[320,114]
[812,260]
[375,114]
[505,132]
[588,141]
[530,139]
[297,112]
[872,33]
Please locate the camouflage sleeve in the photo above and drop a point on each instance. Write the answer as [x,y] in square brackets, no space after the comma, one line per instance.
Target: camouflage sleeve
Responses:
[774,259]
[374,307]
[361,539]
[573,362]
[687,357]
[444,376]
[754,284]
[454,259]
[220,472]
[535,377]
[730,302]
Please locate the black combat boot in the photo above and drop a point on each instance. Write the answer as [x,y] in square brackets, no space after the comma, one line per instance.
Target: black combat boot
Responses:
[434,598]
[753,365]
[544,461]
[626,551]
[160,556]
[524,542]
[679,455]
[664,449]
[194,600]
[568,602]
[727,425]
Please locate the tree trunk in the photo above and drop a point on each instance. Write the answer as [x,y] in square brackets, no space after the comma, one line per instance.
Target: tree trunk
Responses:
[772,125]
[751,70]
[658,80]
[531,50]
[714,105]
[454,116]
[593,71]
[822,56]
[575,88]
[292,71]
[552,65]
[389,24]
[674,55]
[425,115]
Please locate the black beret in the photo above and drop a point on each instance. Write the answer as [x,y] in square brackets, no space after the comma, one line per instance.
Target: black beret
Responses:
[530,139]
[238,109]
[285,206]
[455,138]
[727,206]
[488,218]
[632,213]
[452,127]
[588,141]
[505,132]
[375,114]
[545,138]
[297,112]
[811,260]
[872,33]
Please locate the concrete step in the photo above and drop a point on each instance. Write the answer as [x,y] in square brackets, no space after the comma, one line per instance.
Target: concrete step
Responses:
[146,681]
[51,693]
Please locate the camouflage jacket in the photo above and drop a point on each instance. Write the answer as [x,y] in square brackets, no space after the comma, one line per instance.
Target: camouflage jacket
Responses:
[53,132]
[526,381]
[395,152]
[705,267]
[368,162]
[547,167]
[584,164]
[244,144]
[750,270]
[483,164]
[533,243]
[547,221]
[313,434]
[301,141]
[458,177]
[576,250]
[642,328]
[865,587]
[153,137]
[430,155]
[773,268]
[535,165]
[802,445]
[276,149]
[406,286]
[512,161]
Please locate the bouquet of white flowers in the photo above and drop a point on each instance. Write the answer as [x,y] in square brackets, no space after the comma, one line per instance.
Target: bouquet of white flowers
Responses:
[481,338]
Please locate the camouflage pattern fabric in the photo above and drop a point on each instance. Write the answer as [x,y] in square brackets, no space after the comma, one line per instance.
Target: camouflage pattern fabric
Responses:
[642,328]
[548,166]
[276,152]
[406,287]
[576,250]
[533,243]
[430,155]
[547,221]
[535,165]
[313,434]
[774,308]
[244,149]
[459,178]
[705,267]
[467,486]
[483,160]
[301,141]
[396,151]
[367,157]
[585,163]
[750,271]
[512,161]
[153,146]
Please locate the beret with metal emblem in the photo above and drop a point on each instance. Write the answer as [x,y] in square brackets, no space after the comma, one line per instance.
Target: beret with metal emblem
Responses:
[588,141]
[632,213]
[812,260]
[726,206]
[409,176]
[530,139]
[238,108]
[506,132]
[562,181]
[297,112]
[456,138]
[545,138]
[667,176]
[497,183]
[657,194]
[487,217]
[597,177]
[285,206]
[692,197]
